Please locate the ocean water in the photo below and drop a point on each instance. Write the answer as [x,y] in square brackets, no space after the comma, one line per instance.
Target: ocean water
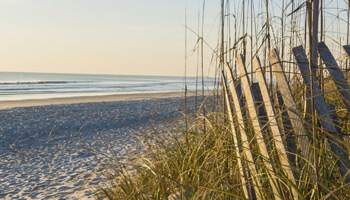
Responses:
[23,86]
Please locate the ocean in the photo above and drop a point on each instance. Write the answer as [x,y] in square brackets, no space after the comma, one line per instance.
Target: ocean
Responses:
[25,86]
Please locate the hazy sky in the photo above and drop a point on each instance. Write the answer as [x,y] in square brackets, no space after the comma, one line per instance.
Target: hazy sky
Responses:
[137,37]
[96,36]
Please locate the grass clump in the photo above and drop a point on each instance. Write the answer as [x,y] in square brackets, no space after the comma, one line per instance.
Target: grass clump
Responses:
[192,164]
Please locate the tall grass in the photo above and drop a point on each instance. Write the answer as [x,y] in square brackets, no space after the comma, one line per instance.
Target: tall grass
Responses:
[197,160]
[198,164]
[192,164]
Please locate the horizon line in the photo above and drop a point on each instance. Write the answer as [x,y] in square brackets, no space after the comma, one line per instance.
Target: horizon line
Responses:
[102,74]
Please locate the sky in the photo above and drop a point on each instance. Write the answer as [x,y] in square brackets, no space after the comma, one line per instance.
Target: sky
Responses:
[133,37]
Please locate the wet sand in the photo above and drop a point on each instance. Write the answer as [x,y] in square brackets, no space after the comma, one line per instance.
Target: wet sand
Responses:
[87,99]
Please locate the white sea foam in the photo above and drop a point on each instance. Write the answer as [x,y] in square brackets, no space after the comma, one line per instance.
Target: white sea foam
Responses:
[24,86]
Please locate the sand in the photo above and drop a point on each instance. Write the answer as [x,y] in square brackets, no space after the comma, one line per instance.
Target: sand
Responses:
[87,99]
[52,149]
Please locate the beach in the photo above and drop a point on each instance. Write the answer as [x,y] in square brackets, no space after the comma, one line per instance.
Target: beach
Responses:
[89,99]
[53,148]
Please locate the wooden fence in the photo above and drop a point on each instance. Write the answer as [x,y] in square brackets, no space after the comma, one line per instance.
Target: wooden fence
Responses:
[270,138]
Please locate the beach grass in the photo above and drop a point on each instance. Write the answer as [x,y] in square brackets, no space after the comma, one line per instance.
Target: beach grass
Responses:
[198,160]
[181,164]
[188,162]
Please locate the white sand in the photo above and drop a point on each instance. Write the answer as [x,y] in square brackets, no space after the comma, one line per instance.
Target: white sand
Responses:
[88,99]
[48,152]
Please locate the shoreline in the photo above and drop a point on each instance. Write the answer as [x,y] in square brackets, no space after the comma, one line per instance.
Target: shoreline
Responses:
[91,99]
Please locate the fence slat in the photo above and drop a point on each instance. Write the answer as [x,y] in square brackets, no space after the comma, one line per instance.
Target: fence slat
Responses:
[256,125]
[245,186]
[322,109]
[347,50]
[287,126]
[244,138]
[273,124]
[289,102]
[336,74]
[259,105]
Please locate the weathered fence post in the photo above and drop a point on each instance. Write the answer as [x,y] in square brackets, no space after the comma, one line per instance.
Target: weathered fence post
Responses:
[256,125]
[273,124]
[346,48]
[286,93]
[242,172]
[244,138]
[336,142]
[336,74]
[286,127]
